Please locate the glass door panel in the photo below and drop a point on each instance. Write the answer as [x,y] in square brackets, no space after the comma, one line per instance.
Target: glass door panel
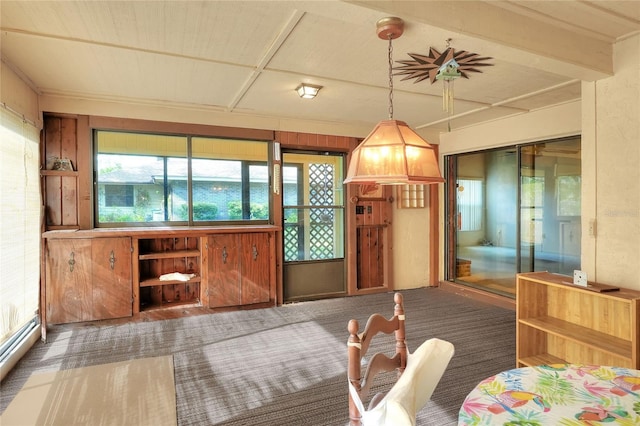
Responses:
[486,231]
[514,210]
[313,213]
[550,214]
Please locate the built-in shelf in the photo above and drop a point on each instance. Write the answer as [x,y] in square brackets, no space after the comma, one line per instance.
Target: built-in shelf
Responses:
[170,254]
[160,256]
[58,173]
[157,282]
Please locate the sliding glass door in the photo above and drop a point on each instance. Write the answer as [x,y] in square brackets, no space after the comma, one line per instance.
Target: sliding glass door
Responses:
[514,209]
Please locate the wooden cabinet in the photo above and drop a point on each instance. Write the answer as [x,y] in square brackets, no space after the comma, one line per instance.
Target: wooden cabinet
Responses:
[88,279]
[558,322]
[239,268]
[160,256]
[120,272]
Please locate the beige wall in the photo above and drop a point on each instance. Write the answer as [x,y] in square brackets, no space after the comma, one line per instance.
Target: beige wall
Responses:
[18,96]
[608,120]
[611,168]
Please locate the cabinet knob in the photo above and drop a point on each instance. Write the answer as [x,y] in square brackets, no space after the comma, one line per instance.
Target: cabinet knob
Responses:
[112,260]
[254,250]
[72,262]
[224,254]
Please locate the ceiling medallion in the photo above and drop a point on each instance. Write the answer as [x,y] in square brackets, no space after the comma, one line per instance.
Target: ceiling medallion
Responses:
[446,66]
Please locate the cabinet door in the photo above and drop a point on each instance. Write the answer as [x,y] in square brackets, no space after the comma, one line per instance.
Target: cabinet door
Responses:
[255,268]
[111,286]
[68,280]
[224,271]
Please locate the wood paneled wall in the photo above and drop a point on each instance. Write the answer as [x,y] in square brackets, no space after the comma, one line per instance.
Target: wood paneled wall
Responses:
[297,140]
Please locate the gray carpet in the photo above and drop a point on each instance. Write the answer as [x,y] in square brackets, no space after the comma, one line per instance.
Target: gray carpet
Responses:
[285,365]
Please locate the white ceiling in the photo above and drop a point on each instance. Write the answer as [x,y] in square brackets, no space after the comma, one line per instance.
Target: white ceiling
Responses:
[247,57]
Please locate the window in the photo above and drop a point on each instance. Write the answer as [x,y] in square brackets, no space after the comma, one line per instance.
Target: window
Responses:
[470,205]
[20,230]
[118,195]
[148,178]
[568,193]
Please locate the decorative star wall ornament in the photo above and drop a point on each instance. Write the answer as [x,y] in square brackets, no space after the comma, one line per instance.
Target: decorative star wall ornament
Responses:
[446,66]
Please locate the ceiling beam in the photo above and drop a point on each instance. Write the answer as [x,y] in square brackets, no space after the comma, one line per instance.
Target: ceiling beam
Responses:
[512,37]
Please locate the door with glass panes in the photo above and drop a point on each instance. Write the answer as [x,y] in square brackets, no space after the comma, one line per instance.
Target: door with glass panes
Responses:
[314,225]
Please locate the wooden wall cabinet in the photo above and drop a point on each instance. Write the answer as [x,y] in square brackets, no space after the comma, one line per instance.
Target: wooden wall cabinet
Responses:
[88,279]
[239,267]
[159,256]
[558,322]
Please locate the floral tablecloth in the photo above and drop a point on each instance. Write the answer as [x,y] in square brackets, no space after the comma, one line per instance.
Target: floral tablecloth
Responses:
[560,394]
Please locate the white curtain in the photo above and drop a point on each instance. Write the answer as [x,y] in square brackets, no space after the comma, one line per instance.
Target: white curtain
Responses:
[19,223]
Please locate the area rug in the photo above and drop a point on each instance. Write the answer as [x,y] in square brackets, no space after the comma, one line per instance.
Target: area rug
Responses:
[136,392]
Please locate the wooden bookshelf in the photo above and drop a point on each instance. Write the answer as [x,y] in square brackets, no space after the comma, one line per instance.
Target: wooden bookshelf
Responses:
[558,322]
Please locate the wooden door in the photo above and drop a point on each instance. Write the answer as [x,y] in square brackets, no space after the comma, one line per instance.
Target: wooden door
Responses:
[371,252]
[68,281]
[112,293]
[224,270]
[373,243]
[255,262]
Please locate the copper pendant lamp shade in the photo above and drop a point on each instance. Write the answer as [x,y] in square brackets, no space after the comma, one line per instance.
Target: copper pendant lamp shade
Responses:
[393,154]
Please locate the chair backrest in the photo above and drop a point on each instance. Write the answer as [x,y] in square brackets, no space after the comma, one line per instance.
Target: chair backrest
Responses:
[357,347]
[418,373]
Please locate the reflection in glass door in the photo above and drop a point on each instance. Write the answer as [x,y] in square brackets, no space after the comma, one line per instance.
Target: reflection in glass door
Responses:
[550,205]
[516,209]
[313,202]
[486,230]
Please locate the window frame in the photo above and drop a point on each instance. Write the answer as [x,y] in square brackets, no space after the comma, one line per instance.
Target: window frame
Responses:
[244,179]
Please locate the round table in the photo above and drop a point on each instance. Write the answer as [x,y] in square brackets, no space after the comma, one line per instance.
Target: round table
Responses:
[559,394]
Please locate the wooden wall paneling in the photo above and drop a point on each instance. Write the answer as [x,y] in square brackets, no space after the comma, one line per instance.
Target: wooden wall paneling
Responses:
[167,266]
[135,275]
[69,201]
[205,273]
[370,257]
[434,230]
[53,200]
[69,140]
[295,140]
[52,138]
[53,184]
[84,160]
[136,125]
[60,188]
[68,149]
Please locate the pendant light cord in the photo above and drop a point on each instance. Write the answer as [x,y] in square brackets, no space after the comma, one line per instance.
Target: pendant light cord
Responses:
[390,78]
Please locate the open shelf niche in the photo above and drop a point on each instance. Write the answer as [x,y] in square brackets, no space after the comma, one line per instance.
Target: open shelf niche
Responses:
[160,256]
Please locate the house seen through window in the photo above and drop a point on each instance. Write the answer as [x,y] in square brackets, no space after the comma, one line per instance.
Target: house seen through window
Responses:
[146,178]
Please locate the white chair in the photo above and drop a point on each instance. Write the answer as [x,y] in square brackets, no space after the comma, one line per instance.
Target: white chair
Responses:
[413,389]
[418,372]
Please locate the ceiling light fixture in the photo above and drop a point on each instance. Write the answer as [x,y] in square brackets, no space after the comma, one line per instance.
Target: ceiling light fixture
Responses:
[393,154]
[446,66]
[308,91]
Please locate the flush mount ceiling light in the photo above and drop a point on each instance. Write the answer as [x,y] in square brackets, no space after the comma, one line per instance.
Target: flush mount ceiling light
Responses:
[393,154]
[308,91]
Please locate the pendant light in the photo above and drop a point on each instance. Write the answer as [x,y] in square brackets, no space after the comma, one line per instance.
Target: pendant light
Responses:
[393,154]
